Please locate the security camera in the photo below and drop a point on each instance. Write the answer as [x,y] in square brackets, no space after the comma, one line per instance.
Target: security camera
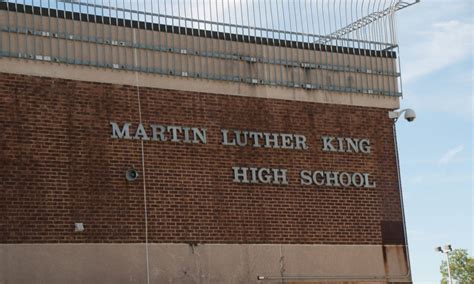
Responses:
[131,174]
[410,115]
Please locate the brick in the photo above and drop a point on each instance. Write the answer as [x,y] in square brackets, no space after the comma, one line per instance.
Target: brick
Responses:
[58,165]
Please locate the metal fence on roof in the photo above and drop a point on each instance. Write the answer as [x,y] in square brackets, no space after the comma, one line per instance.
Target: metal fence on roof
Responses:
[337,45]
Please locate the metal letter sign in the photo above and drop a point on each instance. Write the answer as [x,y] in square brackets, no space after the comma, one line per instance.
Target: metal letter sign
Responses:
[256,139]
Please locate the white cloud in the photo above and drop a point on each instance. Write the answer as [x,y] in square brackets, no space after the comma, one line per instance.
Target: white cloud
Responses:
[444,44]
[450,154]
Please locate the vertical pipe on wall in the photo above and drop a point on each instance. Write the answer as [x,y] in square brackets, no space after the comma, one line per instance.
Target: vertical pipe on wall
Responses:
[402,207]
[145,207]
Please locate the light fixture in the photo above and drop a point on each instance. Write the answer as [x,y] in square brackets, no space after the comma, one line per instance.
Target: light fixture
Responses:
[446,250]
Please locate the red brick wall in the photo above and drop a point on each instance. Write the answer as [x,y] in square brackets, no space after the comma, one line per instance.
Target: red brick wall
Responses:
[58,166]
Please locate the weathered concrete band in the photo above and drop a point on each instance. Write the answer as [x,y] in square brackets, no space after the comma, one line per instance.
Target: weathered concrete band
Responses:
[197,263]
[92,74]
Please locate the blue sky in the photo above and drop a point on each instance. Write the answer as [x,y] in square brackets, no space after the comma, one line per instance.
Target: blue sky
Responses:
[436,46]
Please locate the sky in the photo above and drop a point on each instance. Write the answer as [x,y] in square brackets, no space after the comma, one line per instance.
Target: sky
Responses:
[436,150]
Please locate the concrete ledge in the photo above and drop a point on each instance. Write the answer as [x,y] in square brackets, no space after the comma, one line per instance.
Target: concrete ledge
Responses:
[201,263]
[102,75]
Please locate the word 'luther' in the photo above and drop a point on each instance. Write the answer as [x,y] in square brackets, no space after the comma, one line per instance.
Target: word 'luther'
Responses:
[263,139]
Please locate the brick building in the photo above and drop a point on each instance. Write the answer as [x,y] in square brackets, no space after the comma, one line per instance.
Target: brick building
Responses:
[258,159]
